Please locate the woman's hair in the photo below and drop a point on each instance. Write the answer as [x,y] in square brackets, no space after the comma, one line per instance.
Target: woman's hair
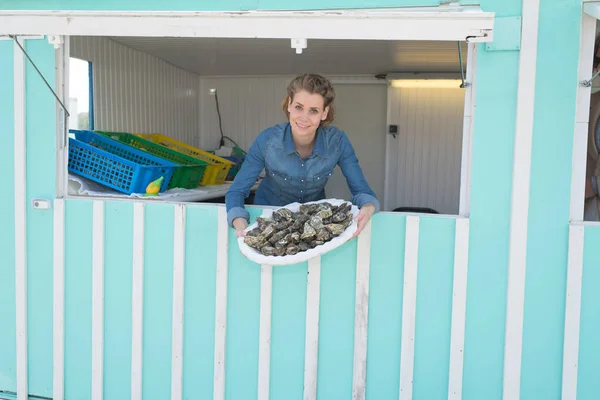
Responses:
[312,83]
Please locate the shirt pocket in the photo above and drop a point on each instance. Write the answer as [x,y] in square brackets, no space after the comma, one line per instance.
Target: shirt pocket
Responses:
[319,180]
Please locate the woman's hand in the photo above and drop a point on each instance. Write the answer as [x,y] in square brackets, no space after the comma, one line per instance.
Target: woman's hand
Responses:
[363,217]
[240,224]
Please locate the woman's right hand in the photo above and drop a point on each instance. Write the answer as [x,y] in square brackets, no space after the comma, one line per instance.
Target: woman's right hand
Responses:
[240,224]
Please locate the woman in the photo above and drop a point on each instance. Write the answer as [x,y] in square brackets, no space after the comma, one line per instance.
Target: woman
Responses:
[299,156]
[592,200]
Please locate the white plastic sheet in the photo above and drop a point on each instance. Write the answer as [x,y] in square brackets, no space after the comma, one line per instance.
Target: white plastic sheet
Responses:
[259,258]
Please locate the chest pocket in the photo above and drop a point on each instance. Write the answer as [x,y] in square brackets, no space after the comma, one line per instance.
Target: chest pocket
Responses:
[319,180]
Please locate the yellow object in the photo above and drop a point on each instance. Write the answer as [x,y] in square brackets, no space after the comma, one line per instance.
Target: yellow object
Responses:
[154,187]
[215,172]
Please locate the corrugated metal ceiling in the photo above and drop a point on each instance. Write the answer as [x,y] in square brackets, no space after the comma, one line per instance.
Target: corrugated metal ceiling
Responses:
[235,57]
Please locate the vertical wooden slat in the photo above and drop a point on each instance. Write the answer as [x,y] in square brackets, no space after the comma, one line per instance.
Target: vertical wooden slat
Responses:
[264,350]
[361,313]
[58,368]
[459,304]
[178,303]
[409,304]
[20,222]
[312,328]
[221,305]
[98,301]
[137,301]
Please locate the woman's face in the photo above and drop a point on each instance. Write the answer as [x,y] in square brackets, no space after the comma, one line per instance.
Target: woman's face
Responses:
[306,113]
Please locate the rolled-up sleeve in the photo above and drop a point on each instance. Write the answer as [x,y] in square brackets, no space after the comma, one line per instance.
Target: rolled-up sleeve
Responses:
[348,162]
[244,180]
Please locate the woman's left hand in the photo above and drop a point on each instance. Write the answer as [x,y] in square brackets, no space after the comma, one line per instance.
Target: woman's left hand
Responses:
[363,217]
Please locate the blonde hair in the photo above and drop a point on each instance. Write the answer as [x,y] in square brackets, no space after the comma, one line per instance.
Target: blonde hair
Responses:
[312,83]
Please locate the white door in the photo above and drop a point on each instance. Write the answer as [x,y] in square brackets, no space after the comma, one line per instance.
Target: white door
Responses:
[424,159]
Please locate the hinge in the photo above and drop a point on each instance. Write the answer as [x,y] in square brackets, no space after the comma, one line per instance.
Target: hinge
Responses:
[56,40]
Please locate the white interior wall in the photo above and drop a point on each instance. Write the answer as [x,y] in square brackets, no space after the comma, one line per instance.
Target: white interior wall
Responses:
[425,156]
[137,92]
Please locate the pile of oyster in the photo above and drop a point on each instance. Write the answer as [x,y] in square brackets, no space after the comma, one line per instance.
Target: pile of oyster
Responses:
[287,232]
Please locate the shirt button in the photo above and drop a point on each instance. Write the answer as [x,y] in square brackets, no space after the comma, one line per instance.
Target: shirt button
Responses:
[303,165]
[301,191]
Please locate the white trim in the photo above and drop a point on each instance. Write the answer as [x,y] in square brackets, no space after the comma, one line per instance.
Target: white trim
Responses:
[572,312]
[221,305]
[409,307]
[361,313]
[20,222]
[137,301]
[451,23]
[61,87]
[388,152]
[178,303]
[98,300]
[311,346]
[58,325]
[582,116]
[517,258]
[459,308]
[264,349]
[592,8]
[467,135]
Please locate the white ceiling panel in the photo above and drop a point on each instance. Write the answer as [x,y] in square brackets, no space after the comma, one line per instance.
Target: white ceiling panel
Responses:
[235,57]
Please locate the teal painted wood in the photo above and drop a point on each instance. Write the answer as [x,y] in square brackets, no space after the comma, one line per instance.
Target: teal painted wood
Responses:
[588,385]
[288,332]
[492,164]
[435,277]
[336,323]
[386,288]
[243,317]
[158,300]
[78,299]
[8,357]
[199,303]
[547,251]
[41,183]
[118,258]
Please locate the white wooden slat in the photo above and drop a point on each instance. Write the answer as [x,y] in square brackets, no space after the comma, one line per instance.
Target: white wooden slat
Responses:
[264,350]
[311,351]
[178,303]
[98,300]
[459,308]
[467,133]
[573,312]
[409,306]
[58,324]
[361,313]
[20,222]
[517,257]
[137,301]
[221,305]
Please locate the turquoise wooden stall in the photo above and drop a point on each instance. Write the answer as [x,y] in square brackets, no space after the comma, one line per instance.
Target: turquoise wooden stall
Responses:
[500,302]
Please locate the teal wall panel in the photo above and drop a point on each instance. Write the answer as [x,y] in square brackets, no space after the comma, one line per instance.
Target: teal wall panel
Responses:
[588,385]
[8,360]
[243,317]
[434,308]
[491,185]
[78,299]
[41,183]
[158,300]
[386,286]
[199,302]
[547,249]
[336,323]
[118,258]
[288,331]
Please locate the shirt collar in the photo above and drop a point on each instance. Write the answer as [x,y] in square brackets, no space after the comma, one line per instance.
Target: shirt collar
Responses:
[290,147]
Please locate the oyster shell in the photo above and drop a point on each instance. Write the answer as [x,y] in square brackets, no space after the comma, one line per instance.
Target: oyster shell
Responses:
[288,233]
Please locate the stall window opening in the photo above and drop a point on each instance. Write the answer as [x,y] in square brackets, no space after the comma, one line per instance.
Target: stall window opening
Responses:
[81,97]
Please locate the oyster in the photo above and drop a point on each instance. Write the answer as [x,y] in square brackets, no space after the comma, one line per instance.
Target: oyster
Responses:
[289,233]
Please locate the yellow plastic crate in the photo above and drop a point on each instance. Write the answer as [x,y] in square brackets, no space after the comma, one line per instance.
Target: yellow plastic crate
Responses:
[215,172]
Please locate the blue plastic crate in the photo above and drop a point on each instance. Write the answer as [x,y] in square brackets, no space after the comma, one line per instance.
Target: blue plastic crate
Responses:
[116,165]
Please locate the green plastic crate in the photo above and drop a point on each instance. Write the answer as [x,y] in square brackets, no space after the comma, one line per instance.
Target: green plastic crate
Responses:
[189,171]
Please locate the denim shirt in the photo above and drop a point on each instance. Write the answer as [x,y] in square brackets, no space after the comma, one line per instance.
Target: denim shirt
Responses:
[289,178]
